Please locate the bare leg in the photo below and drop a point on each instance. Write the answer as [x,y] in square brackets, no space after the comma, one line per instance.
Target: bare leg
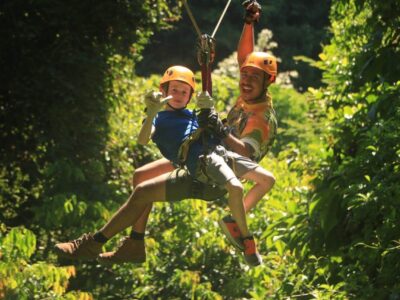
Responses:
[146,172]
[145,194]
[235,201]
[264,181]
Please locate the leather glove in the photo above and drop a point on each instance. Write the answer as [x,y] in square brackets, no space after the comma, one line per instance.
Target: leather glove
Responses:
[202,117]
[216,126]
[154,102]
[253,10]
[204,101]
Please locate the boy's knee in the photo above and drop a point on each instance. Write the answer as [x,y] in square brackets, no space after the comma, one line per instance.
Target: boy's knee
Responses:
[137,177]
[267,179]
[234,186]
[270,178]
[138,195]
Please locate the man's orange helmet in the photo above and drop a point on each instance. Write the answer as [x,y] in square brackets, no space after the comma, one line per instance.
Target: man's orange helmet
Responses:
[179,73]
[263,61]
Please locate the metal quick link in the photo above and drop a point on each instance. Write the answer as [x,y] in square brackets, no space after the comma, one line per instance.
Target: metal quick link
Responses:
[205,49]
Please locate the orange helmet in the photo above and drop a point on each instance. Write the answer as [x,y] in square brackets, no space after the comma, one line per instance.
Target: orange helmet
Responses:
[263,61]
[179,73]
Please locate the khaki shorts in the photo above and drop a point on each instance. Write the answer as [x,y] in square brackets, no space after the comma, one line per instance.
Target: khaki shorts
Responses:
[181,185]
[222,165]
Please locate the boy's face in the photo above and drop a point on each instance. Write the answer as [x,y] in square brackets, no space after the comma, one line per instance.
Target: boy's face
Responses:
[180,91]
[251,83]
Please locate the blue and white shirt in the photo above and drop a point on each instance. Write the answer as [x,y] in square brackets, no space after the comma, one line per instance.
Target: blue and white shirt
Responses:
[172,128]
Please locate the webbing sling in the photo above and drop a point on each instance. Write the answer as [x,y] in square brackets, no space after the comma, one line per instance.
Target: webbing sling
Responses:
[205,56]
[184,148]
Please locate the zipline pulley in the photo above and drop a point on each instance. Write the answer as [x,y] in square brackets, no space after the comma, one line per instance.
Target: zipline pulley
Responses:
[205,56]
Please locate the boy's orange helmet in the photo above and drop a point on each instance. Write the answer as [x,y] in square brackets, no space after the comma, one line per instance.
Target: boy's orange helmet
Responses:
[263,61]
[179,73]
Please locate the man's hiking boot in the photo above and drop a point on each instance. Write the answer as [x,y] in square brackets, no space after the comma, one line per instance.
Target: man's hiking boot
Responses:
[251,255]
[129,251]
[232,232]
[84,247]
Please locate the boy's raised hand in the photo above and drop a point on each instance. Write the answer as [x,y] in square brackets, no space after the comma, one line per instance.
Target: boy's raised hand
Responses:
[204,100]
[154,102]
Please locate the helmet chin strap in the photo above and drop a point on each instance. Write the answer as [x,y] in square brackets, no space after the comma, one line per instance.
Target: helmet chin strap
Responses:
[176,109]
[264,88]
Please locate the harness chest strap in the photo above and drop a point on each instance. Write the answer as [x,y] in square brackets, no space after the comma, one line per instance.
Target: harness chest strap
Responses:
[184,148]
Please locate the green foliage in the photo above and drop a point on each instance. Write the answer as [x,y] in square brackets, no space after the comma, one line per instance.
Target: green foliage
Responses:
[299,28]
[55,102]
[187,255]
[20,279]
[356,201]
[71,108]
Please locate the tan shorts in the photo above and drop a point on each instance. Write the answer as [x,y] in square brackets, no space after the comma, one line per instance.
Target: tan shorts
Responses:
[181,185]
[222,165]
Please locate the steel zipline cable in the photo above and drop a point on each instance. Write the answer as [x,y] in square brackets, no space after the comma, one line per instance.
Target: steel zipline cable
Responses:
[196,27]
[220,18]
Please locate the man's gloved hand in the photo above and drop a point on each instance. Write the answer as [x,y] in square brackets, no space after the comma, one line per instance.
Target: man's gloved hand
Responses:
[215,125]
[208,118]
[202,117]
[253,11]
[154,102]
[204,100]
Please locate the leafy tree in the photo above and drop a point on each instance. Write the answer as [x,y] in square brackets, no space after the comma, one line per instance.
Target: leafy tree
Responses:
[55,100]
[299,27]
[356,203]
[21,280]
[71,108]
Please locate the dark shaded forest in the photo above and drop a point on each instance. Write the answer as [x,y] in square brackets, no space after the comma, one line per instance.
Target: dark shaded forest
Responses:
[71,105]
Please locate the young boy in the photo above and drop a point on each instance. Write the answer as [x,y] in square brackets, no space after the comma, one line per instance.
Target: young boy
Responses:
[172,126]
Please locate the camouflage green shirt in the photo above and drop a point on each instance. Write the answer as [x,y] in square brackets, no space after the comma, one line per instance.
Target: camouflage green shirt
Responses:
[254,124]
